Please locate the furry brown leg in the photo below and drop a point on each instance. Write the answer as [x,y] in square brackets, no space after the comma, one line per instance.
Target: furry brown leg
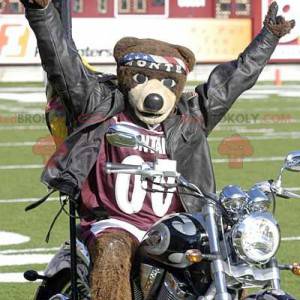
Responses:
[112,256]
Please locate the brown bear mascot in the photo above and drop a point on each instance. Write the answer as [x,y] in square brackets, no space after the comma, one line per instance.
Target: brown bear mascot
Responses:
[115,211]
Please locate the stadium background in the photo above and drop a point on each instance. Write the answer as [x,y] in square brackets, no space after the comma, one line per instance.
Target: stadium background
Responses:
[217,31]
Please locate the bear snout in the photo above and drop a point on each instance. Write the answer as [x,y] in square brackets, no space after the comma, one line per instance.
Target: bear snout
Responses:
[153,102]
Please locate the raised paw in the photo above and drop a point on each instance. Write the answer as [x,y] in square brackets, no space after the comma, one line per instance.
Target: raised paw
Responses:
[277,24]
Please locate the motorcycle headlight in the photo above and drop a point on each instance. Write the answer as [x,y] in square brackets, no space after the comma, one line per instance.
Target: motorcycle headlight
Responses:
[258,200]
[233,198]
[256,238]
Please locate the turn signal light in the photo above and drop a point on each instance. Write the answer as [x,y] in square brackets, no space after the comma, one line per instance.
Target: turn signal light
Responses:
[194,255]
[296,269]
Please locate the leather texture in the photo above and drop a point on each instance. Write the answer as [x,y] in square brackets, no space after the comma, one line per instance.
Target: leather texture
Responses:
[89,103]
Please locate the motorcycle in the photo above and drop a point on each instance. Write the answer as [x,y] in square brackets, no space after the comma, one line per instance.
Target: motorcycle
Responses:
[217,253]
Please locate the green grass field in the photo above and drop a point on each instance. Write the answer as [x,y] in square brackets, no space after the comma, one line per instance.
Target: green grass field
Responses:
[269,122]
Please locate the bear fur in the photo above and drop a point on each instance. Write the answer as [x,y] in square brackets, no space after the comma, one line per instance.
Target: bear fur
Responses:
[128,85]
[112,255]
[139,79]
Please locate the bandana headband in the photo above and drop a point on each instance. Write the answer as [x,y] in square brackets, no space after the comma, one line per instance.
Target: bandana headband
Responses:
[154,62]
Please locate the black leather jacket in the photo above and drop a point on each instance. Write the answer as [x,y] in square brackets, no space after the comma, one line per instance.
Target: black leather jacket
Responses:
[90,103]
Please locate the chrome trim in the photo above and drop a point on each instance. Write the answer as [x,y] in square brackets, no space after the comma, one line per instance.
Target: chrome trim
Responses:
[209,213]
[258,201]
[261,275]
[292,161]
[239,228]
[234,199]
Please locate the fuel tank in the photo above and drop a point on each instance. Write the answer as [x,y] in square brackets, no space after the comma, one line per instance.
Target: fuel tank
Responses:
[168,239]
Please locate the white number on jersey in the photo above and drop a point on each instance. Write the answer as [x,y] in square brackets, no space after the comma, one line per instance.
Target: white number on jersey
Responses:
[160,205]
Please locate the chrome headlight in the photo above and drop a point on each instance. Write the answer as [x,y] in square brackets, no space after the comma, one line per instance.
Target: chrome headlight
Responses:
[256,238]
[258,200]
[233,198]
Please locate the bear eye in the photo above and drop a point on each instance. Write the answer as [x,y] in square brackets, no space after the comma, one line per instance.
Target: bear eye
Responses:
[168,82]
[140,78]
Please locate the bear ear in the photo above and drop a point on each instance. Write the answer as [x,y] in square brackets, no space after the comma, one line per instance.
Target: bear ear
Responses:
[123,45]
[187,55]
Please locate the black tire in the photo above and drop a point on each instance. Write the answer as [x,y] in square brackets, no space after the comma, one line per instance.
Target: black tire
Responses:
[270,295]
[59,283]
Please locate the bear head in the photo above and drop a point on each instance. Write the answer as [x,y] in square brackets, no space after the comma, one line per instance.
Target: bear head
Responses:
[152,74]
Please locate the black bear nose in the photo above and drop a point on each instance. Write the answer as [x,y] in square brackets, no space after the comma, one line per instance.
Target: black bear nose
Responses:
[153,102]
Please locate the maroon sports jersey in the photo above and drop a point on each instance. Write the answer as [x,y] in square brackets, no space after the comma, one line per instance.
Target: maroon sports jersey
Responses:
[121,194]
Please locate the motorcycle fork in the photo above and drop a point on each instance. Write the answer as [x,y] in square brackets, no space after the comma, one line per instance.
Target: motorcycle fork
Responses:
[275,282]
[217,268]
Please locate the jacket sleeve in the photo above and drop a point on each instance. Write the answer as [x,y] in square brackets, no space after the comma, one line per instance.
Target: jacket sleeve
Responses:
[227,81]
[62,63]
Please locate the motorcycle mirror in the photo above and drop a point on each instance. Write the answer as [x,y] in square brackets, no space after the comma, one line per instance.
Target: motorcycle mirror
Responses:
[121,135]
[292,161]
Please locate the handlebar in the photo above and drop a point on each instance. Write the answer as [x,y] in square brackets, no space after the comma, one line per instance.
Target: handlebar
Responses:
[269,186]
[287,194]
[149,170]
[144,170]
[116,168]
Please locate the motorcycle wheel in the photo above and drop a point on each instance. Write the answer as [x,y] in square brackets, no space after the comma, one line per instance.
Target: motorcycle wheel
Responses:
[271,295]
[59,283]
